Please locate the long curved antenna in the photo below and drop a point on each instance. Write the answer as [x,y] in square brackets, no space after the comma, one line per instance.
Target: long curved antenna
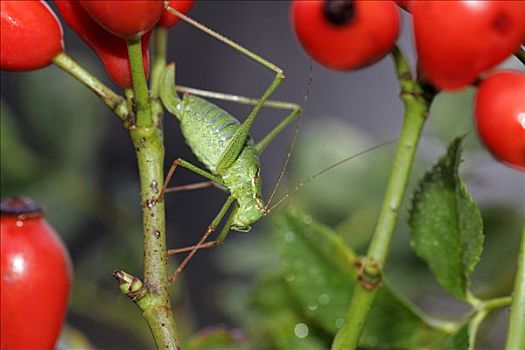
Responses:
[294,139]
[301,184]
[224,39]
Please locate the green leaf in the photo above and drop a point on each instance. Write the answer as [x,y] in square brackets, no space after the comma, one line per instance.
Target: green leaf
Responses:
[216,338]
[321,273]
[280,324]
[328,140]
[446,224]
[288,331]
[271,293]
[316,265]
[460,340]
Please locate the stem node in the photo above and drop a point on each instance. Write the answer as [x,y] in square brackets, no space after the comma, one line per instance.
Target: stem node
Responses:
[370,275]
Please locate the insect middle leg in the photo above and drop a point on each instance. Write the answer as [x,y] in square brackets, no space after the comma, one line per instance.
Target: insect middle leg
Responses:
[185,164]
[190,187]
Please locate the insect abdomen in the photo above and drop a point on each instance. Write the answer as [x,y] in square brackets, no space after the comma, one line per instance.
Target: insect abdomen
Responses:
[207,129]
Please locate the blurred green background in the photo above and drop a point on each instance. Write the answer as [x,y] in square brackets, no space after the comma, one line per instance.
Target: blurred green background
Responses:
[60,146]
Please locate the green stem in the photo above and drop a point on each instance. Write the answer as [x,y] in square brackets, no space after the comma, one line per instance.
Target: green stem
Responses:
[140,87]
[474,326]
[496,303]
[128,93]
[147,139]
[480,310]
[157,311]
[115,102]
[416,109]
[516,335]
[160,40]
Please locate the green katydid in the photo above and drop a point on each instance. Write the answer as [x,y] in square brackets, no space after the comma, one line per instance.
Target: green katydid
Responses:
[225,147]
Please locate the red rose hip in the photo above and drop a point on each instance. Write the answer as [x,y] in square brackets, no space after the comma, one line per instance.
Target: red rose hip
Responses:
[35,271]
[127,19]
[31,35]
[499,111]
[456,41]
[111,49]
[346,34]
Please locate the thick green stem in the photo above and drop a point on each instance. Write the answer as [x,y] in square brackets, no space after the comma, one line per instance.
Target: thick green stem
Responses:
[516,335]
[476,321]
[494,304]
[115,102]
[416,109]
[150,155]
[160,40]
[140,87]
[146,136]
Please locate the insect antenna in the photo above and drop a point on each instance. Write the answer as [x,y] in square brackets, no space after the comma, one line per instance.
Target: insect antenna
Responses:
[344,160]
[222,38]
[294,139]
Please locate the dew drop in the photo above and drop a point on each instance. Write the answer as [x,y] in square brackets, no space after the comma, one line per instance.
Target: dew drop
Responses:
[289,237]
[323,299]
[339,322]
[313,307]
[301,330]
[307,219]
[19,223]
[289,278]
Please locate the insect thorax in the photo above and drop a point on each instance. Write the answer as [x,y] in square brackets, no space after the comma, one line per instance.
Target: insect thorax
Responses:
[244,183]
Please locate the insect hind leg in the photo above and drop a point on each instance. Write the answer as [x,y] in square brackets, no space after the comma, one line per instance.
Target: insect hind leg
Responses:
[237,142]
[214,224]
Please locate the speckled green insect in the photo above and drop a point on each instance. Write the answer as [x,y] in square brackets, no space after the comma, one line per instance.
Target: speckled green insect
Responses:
[223,144]
[226,148]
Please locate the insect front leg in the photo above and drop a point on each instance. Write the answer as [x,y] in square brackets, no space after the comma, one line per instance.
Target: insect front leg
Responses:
[211,244]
